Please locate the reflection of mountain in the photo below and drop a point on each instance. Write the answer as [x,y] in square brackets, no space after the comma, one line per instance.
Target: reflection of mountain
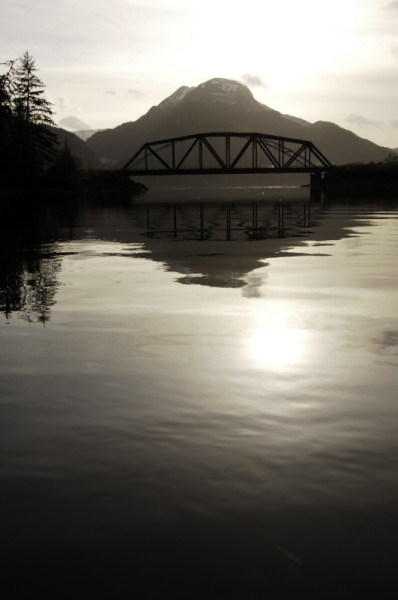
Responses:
[220,243]
[216,242]
[229,234]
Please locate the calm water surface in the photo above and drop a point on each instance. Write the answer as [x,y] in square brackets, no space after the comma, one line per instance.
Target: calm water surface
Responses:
[199,398]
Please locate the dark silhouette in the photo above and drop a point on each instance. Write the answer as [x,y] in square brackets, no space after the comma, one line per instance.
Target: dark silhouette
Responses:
[6,120]
[26,115]
[30,141]
[65,171]
[28,102]
[227,153]
[364,180]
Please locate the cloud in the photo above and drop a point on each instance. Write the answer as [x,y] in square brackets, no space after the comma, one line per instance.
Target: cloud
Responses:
[391,6]
[388,339]
[253,80]
[363,121]
[394,124]
[73,123]
[63,106]
[135,93]
[130,91]
[61,103]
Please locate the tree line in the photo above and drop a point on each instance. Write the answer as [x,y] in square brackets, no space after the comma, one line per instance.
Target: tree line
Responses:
[29,150]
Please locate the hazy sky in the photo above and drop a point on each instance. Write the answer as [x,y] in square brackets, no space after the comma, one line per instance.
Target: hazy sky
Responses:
[106,62]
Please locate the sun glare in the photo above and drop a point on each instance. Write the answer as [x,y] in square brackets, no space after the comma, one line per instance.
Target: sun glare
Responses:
[277,347]
[282,42]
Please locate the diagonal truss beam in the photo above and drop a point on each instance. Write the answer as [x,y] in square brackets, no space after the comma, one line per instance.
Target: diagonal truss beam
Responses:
[266,150]
[214,153]
[241,153]
[156,155]
[188,152]
[295,156]
[281,154]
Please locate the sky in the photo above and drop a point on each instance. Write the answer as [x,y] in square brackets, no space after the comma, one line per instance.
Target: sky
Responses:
[106,62]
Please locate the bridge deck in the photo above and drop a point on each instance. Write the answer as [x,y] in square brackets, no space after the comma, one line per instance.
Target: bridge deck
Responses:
[235,171]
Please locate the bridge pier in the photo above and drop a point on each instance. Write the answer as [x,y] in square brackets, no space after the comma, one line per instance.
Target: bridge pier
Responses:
[317,178]
[317,181]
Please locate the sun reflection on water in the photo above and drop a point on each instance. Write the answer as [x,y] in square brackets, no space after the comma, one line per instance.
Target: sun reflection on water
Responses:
[277,346]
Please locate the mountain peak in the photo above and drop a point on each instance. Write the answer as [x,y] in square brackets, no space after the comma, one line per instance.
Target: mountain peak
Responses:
[216,90]
[225,85]
[223,91]
[175,97]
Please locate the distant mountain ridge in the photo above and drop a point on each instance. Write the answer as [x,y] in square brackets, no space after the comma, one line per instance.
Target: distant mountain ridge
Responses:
[84,134]
[79,149]
[227,105]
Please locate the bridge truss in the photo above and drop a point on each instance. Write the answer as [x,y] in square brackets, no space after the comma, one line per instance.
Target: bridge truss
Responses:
[227,153]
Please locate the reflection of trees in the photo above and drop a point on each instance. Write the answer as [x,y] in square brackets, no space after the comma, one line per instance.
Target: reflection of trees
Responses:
[30,260]
[30,288]
[28,275]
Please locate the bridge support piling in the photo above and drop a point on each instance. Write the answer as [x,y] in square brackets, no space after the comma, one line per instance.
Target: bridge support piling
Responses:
[202,222]
[317,180]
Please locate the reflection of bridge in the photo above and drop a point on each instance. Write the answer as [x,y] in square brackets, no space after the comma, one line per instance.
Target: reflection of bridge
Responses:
[227,153]
[225,221]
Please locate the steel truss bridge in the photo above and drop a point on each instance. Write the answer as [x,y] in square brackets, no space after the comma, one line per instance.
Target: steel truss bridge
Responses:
[227,153]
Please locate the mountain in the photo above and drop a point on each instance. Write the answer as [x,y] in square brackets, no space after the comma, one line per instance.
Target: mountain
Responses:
[78,148]
[84,134]
[227,105]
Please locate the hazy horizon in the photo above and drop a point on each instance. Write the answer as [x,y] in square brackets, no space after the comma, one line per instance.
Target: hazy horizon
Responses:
[104,65]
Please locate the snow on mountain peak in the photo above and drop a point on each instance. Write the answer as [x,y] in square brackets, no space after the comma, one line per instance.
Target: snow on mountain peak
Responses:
[225,91]
[224,85]
[176,97]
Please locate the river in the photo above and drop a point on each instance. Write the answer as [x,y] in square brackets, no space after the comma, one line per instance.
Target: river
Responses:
[198,396]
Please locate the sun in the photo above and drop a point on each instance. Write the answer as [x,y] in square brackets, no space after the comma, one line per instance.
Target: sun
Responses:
[282,42]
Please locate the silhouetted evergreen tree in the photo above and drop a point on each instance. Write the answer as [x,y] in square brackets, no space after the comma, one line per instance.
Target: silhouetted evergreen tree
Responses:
[28,101]
[29,145]
[6,119]
[64,173]
[6,87]
[37,145]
